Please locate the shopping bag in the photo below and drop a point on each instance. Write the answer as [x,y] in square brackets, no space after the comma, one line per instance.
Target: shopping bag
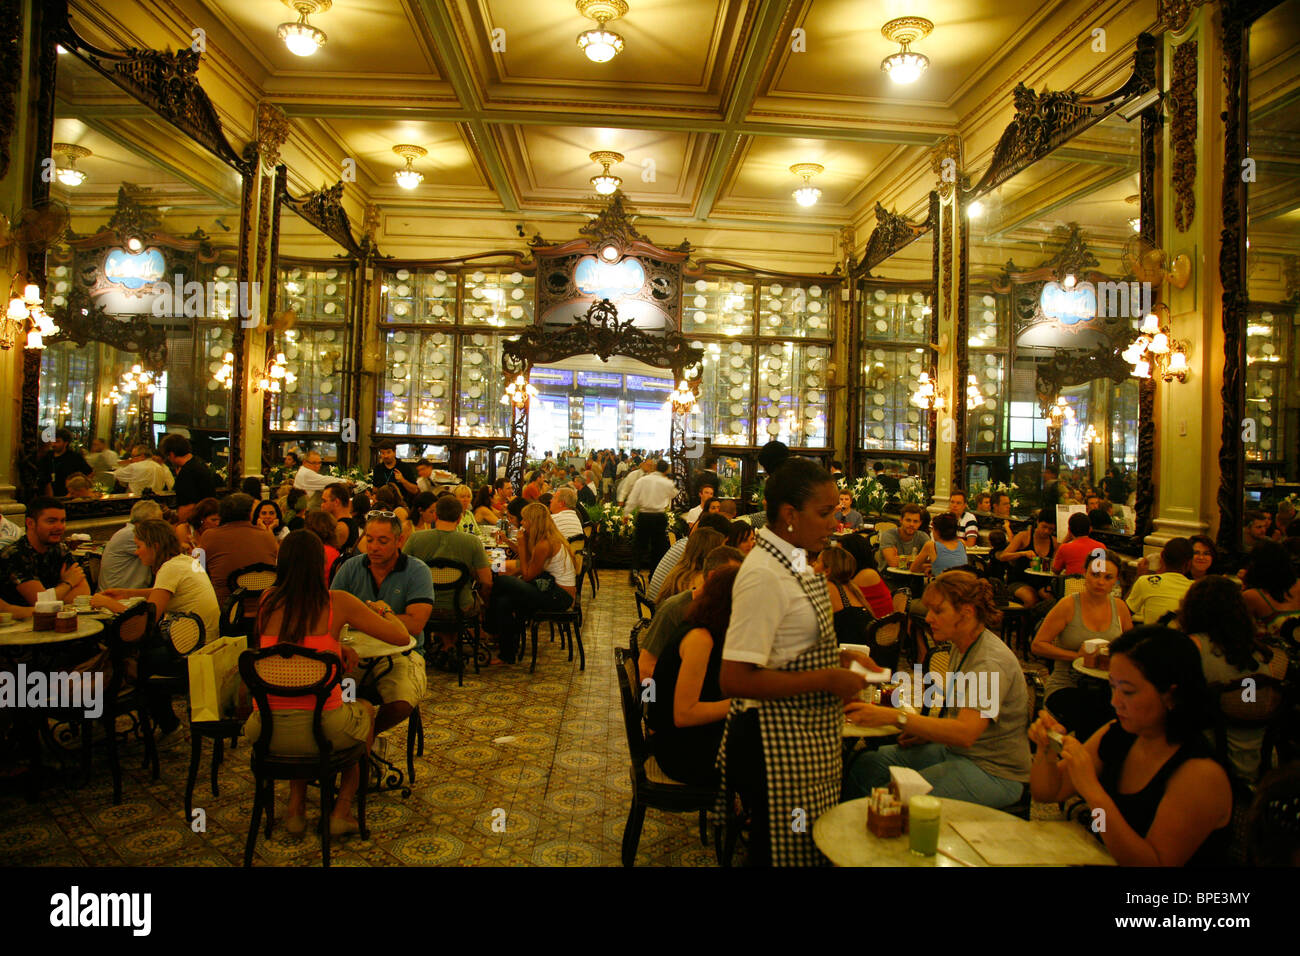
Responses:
[214,678]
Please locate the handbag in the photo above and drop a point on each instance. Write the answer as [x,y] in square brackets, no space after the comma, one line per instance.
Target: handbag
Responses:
[214,678]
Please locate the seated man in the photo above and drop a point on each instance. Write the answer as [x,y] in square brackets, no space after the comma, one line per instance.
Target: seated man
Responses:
[447,542]
[845,516]
[40,560]
[120,567]
[673,556]
[1071,556]
[564,504]
[665,626]
[387,580]
[906,540]
[707,491]
[967,524]
[236,543]
[1155,594]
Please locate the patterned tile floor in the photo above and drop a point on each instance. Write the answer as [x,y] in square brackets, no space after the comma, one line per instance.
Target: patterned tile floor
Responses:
[556,794]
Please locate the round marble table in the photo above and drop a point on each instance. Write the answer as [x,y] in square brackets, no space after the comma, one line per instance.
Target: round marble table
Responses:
[20,633]
[1095,673]
[841,833]
[369,648]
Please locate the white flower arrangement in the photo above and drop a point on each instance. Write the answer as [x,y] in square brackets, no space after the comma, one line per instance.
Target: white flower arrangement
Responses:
[869,495]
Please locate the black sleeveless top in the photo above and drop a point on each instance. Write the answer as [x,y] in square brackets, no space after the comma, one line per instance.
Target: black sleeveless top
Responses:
[1139,809]
[850,621]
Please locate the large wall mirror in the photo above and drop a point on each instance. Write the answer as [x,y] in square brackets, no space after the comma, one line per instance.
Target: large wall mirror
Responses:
[893,326]
[1273,257]
[143,281]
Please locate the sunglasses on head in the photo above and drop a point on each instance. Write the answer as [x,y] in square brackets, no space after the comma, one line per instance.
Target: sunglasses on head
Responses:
[379,514]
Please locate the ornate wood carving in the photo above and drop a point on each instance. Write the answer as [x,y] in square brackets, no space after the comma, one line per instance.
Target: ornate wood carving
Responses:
[1174,13]
[1067,368]
[11,75]
[1145,492]
[324,210]
[892,233]
[933,418]
[961,350]
[1044,121]
[1074,256]
[946,163]
[614,224]
[597,332]
[1182,134]
[82,321]
[131,216]
[272,131]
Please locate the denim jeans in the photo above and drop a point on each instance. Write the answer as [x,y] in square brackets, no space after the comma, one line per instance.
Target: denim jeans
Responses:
[951,775]
[512,602]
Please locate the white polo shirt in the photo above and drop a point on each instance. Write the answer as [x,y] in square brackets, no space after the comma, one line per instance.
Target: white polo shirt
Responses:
[772,620]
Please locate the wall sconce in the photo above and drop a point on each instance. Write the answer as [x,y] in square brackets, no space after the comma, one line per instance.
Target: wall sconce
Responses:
[139,381]
[682,399]
[1091,437]
[1061,413]
[928,395]
[277,375]
[519,393]
[974,397]
[1155,352]
[225,376]
[25,315]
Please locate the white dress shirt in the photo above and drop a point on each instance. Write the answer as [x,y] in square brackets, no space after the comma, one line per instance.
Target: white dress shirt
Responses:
[653,493]
[139,475]
[772,620]
[625,488]
[309,480]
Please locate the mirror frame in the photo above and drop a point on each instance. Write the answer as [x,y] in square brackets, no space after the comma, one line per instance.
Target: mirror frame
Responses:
[1238,17]
[1043,122]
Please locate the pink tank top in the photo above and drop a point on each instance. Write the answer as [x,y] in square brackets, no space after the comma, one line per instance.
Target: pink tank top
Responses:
[316,642]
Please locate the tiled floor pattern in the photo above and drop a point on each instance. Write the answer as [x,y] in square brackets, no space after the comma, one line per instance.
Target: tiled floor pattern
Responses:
[518,769]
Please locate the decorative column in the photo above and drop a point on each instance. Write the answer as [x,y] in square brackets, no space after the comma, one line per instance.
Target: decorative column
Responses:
[1185,426]
[948,435]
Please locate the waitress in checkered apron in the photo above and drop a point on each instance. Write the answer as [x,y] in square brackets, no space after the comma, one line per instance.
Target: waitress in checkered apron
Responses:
[785,673]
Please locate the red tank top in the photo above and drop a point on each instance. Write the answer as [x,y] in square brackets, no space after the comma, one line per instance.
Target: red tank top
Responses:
[316,642]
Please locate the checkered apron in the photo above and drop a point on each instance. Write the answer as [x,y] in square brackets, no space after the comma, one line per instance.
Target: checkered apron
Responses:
[802,754]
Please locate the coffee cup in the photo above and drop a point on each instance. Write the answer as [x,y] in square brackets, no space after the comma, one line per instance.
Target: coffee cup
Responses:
[82,600]
[6,619]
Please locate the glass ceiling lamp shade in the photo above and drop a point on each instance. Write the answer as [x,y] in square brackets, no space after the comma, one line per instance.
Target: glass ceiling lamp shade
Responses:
[408,177]
[519,393]
[601,45]
[682,400]
[606,183]
[70,175]
[807,194]
[905,66]
[301,37]
[25,315]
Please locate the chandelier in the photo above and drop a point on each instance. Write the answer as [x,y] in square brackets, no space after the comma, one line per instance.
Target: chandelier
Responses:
[225,376]
[277,375]
[1060,413]
[1091,436]
[807,194]
[25,316]
[928,395]
[519,393]
[408,177]
[605,183]
[70,175]
[302,38]
[1155,353]
[682,399]
[601,45]
[139,381]
[906,66]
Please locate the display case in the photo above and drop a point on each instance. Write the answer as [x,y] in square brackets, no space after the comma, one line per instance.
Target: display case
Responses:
[320,294]
[893,321]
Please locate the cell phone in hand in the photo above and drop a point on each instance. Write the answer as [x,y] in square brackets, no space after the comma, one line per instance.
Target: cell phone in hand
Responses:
[1055,741]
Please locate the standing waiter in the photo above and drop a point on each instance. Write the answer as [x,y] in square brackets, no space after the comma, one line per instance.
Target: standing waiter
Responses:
[652,495]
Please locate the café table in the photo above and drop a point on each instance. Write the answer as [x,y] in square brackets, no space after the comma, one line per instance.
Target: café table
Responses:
[841,834]
[22,633]
[1096,673]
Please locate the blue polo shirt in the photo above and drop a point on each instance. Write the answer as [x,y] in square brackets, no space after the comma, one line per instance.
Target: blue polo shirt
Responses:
[408,583]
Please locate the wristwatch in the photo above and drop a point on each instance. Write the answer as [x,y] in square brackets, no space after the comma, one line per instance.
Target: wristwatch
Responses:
[902,720]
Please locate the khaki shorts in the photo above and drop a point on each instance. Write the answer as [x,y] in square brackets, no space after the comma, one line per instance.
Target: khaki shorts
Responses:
[343,726]
[404,681]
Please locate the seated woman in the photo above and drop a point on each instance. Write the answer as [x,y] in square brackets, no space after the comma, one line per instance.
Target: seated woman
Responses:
[866,578]
[483,510]
[945,550]
[299,609]
[388,498]
[689,710]
[203,517]
[1036,542]
[682,576]
[325,527]
[741,536]
[180,584]
[1272,590]
[545,580]
[849,611]
[976,750]
[466,499]
[266,514]
[1214,616]
[1165,799]
[1204,557]
[79,487]
[422,516]
[1091,613]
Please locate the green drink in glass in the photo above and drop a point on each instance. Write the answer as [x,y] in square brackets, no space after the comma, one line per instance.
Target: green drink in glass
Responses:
[923,825]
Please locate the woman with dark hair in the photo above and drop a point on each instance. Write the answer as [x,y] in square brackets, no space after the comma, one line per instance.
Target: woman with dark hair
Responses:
[865,577]
[783,667]
[741,536]
[1214,616]
[1165,800]
[1272,592]
[266,514]
[1037,542]
[484,513]
[300,609]
[682,577]
[1204,557]
[945,550]
[325,527]
[688,711]
[422,516]
[295,506]
[849,609]
[292,460]
[204,516]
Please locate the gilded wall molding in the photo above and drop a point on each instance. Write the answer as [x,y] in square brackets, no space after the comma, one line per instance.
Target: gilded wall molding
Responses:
[1174,13]
[1182,133]
[272,132]
[947,149]
[324,210]
[892,233]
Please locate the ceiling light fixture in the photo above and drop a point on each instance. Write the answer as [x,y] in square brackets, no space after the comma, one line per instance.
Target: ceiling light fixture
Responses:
[70,175]
[975,209]
[906,66]
[601,45]
[302,38]
[606,183]
[408,177]
[807,194]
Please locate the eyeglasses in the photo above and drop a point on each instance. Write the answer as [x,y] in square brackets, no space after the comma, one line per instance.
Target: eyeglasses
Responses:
[379,514]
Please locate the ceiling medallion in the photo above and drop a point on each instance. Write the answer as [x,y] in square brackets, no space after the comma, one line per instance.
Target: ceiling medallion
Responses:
[408,177]
[605,183]
[302,38]
[70,175]
[601,45]
[906,66]
[807,194]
